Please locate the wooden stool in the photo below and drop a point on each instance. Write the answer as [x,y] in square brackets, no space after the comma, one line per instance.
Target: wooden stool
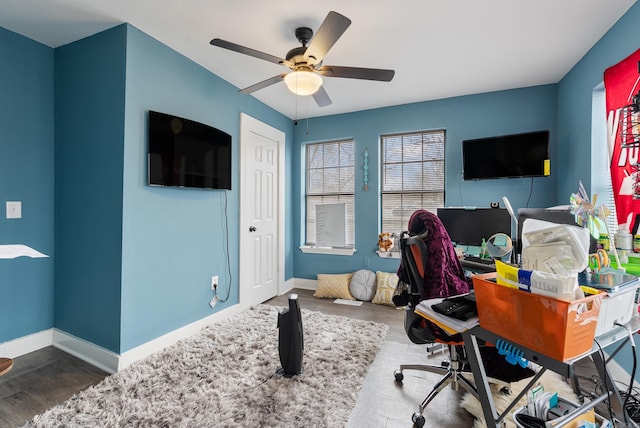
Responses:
[5,365]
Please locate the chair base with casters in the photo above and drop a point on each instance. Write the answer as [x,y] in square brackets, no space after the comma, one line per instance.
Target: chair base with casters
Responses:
[451,371]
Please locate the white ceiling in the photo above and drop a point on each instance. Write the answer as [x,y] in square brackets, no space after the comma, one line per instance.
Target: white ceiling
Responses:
[439,48]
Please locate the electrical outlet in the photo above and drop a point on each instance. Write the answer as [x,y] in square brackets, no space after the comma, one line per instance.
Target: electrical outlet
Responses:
[214,282]
[14,209]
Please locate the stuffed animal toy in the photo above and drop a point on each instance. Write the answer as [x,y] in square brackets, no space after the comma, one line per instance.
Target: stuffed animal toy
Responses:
[385,241]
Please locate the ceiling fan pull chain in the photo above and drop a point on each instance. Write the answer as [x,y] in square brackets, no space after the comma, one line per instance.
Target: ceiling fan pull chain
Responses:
[307,116]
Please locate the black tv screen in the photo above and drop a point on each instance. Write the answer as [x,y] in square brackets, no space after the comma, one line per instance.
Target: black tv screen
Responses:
[184,153]
[506,156]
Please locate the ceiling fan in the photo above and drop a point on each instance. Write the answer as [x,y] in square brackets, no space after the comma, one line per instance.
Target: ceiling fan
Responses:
[306,61]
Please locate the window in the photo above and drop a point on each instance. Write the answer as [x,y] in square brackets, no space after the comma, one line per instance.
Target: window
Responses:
[329,174]
[600,172]
[412,176]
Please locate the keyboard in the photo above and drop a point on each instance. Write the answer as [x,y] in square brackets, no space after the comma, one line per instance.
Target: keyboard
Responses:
[477,263]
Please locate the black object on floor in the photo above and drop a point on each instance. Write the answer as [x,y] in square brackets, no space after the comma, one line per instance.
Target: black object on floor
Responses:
[291,341]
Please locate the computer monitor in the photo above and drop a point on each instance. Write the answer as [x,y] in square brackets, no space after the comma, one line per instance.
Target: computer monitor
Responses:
[560,215]
[469,226]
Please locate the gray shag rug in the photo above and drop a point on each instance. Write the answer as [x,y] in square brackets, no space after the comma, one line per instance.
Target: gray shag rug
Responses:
[225,376]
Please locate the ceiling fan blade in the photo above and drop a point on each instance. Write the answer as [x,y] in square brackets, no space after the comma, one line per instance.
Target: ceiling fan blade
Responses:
[357,73]
[247,51]
[321,97]
[333,26]
[271,81]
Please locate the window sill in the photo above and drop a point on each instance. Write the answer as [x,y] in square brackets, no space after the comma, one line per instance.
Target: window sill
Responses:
[388,254]
[328,250]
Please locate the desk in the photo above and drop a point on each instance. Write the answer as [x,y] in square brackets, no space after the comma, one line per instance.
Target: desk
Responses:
[617,335]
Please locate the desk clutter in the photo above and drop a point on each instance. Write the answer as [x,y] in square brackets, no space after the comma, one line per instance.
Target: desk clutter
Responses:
[547,408]
[549,381]
[553,303]
[556,328]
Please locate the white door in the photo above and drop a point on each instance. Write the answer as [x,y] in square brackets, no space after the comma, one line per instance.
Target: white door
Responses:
[261,210]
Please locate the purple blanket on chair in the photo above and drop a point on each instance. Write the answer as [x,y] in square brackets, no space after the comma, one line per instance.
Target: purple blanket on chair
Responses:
[444,275]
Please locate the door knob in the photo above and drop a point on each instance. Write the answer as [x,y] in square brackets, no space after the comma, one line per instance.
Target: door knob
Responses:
[252,229]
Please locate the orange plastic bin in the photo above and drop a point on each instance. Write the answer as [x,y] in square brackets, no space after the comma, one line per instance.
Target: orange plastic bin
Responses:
[555,328]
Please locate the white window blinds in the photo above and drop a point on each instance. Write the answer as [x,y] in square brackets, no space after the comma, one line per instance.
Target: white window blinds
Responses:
[329,175]
[412,176]
[600,173]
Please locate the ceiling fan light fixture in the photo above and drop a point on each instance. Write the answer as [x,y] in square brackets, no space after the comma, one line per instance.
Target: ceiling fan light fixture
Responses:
[303,82]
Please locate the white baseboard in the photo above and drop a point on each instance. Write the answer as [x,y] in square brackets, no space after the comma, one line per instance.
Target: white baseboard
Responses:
[24,345]
[100,357]
[170,338]
[87,351]
[112,362]
[305,284]
[288,286]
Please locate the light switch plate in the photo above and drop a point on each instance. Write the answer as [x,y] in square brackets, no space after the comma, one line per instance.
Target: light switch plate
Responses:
[14,209]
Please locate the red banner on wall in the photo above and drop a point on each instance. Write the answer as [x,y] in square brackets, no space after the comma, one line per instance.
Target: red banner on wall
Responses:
[622,83]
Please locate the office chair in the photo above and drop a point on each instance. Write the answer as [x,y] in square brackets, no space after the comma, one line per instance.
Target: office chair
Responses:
[414,257]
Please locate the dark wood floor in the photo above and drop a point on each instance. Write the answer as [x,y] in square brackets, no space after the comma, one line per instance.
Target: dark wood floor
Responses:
[44,378]
[40,380]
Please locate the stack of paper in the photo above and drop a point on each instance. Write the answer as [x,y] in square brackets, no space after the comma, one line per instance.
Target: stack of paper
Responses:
[11,251]
[448,324]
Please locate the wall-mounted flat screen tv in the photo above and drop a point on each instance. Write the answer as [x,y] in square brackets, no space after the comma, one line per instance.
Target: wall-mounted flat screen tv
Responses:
[506,156]
[185,153]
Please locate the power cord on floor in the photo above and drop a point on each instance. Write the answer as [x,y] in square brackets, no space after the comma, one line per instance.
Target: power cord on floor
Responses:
[607,387]
[631,396]
[628,393]
[527,421]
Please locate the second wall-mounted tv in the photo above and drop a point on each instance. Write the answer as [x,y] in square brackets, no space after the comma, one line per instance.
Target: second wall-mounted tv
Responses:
[185,153]
[506,156]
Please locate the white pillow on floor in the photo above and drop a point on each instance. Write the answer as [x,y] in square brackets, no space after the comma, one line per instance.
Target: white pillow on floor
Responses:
[363,285]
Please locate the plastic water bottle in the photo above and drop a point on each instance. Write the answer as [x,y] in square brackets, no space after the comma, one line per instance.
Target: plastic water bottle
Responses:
[483,249]
[624,240]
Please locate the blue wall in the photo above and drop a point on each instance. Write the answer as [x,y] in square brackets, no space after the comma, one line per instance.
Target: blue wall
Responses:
[574,111]
[174,238]
[89,148]
[574,98]
[27,175]
[133,262]
[474,116]
[136,261]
